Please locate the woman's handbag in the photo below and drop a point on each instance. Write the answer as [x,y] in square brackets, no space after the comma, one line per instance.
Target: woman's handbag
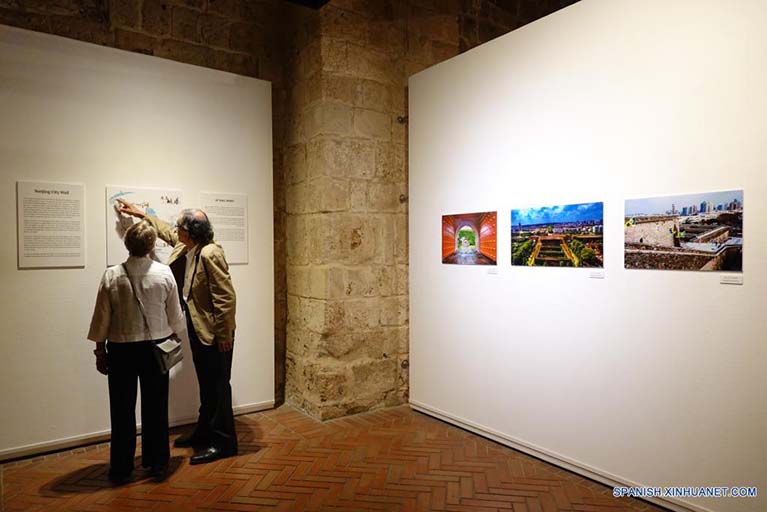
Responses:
[167,352]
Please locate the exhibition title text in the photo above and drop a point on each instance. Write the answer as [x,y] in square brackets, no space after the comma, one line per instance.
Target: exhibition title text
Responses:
[52,192]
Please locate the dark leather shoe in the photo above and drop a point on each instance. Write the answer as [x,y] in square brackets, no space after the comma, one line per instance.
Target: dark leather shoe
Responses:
[209,454]
[188,440]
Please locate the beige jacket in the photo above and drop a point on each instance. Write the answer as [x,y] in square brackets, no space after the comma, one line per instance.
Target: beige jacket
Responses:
[212,301]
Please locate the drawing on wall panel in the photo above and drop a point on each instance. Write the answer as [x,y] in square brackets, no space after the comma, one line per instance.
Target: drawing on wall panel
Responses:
[685,232]
[469,238]
[569,235]
[162,203]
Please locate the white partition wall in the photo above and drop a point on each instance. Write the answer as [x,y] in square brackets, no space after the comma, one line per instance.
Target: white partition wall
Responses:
[79,113]
[644,377]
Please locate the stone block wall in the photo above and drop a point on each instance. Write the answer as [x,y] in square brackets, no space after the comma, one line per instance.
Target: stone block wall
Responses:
[483,20]
[669,260]
[659,233]
[340,156]
[230,35]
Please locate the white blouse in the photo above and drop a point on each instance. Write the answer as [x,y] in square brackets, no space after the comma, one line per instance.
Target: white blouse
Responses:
[117,316]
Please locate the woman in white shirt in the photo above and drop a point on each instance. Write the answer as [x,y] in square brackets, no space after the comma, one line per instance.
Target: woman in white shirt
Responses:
[125,339]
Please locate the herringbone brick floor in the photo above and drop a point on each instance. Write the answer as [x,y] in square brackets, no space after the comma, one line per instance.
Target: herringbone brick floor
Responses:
[389,460]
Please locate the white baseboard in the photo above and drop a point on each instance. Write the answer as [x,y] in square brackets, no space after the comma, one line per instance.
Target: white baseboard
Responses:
[104,435]
[239,410]
[554,458]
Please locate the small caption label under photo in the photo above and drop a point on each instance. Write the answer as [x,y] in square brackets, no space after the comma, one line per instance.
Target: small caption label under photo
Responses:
[737,491]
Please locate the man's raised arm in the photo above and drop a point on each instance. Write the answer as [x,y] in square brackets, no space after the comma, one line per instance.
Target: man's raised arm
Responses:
[164,230]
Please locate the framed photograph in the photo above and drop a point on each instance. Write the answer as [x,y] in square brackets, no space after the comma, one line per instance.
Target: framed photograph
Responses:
[685,232]
[470,238]
[568,235]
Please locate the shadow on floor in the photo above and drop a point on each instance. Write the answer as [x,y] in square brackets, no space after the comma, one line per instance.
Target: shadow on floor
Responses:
[93,478]
[249,437]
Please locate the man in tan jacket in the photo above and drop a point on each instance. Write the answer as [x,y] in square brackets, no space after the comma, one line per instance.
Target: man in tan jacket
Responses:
[207,296]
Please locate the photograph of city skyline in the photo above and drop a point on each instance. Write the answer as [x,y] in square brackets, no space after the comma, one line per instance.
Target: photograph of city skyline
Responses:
[701,231]
[569,235]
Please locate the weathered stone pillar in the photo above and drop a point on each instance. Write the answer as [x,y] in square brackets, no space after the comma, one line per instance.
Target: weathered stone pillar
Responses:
[347,220]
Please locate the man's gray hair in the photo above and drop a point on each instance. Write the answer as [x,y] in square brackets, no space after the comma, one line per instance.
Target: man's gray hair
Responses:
[196,223]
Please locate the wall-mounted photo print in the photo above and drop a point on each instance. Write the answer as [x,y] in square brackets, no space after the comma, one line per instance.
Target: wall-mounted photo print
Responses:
[470,238]
[567,235]
[685,232]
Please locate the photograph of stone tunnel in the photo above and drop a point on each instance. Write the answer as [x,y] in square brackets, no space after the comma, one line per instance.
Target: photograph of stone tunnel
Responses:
[567,235]
[685,232]
[469,238]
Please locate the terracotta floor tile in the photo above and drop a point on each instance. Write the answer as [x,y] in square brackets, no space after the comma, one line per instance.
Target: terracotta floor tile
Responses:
[391,460]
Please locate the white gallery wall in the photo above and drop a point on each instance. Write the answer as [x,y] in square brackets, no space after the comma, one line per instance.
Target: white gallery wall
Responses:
[75,112]
[644,377]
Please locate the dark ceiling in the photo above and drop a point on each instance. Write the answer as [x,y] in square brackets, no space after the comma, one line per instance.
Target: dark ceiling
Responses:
[314,4]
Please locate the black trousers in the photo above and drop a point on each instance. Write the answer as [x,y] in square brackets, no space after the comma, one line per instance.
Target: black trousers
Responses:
[129,363]
[215,423]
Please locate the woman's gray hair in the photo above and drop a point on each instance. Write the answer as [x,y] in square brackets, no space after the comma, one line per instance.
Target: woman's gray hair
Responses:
[140,239]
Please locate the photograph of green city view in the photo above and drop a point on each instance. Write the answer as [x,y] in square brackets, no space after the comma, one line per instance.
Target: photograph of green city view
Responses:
[558,236]
[685,232]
